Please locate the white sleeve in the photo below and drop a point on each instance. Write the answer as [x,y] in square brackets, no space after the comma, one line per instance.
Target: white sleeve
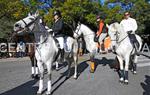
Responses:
[134,24]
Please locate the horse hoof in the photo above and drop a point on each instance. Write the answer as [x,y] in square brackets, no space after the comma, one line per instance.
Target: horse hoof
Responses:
[75,77]
[126,82]
[67,77]
[121,80]
[36,76]
[57,69]
[91,71]
[48,93]
[39,93]
[134,72]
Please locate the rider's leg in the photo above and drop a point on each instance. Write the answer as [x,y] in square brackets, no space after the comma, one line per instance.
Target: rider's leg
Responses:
[133,41]
[101,38]
[61,42]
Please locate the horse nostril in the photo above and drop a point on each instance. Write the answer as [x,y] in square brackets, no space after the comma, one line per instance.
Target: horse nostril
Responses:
[16,25]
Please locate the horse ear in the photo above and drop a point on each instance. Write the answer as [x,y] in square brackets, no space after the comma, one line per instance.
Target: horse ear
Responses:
[79,23]
[29,14]
[36,13]
[107,26]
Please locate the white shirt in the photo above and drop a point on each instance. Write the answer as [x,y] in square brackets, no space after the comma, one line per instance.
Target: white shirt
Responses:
[129,24]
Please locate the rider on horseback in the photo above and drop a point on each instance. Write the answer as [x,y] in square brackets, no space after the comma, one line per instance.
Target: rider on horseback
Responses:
[102,29]
[130,26]
[57,29]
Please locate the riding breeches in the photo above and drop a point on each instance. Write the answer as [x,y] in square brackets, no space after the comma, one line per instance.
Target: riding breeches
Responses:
[61,42]
[102,37]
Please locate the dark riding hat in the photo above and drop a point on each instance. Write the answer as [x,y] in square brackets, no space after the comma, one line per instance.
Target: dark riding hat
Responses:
[57,12]
[100,17]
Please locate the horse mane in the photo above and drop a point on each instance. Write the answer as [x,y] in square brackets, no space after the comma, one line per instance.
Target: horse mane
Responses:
[86,27]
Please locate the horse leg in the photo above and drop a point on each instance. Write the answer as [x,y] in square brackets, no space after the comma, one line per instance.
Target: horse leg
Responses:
[92,63]
[127,58]
[49,84]
[135,64]
[34,68]
[69,68]
[41,70]
[57,65]
[121,72]
[75,69]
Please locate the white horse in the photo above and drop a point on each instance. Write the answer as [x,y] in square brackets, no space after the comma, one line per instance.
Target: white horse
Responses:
[88,36]
[46,48]
[124,49]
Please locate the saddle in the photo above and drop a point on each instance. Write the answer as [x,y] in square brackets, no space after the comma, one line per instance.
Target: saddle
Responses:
[66,47]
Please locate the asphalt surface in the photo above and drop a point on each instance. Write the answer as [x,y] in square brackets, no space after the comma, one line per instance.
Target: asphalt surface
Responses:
[15,78]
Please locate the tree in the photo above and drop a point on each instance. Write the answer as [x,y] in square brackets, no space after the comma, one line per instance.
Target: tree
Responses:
[10,11]
[73,10]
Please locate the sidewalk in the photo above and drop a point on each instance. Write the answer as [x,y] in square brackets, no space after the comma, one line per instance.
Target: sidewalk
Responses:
[14,59]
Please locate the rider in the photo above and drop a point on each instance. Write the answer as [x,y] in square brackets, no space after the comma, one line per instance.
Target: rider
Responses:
[57,28]
[130,26]
[102,29]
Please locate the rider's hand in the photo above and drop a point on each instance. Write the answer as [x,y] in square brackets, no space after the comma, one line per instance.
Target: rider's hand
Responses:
[50,30]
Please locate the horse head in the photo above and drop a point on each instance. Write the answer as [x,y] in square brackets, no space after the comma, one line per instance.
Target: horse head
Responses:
[113,33]
[77,31]
[26,24]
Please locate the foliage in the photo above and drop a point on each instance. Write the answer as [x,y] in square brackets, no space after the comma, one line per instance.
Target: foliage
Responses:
[73,10]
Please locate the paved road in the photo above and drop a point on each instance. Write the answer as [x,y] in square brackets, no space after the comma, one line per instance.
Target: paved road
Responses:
[15,78]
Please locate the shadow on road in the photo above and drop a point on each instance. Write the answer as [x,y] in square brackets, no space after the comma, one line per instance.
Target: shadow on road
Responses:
[24,89]
[112,63]
[146,85]
[63,78]
[81,68]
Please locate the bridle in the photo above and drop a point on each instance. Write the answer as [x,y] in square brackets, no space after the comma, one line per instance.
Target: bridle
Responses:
[78,29]
[26,28]
[116,38]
